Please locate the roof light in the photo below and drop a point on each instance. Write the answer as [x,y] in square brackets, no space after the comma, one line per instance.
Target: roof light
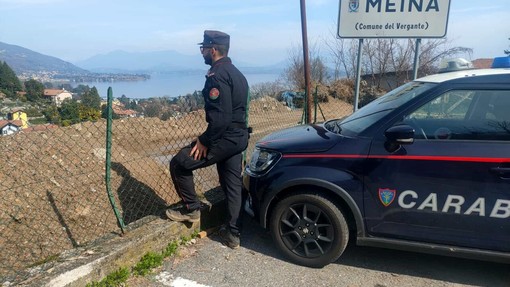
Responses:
[501,62]
[457,64]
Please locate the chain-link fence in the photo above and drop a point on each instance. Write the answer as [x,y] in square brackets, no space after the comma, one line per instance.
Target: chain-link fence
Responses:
[52,179]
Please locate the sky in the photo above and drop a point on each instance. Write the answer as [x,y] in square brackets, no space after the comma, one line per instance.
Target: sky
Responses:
[262,32]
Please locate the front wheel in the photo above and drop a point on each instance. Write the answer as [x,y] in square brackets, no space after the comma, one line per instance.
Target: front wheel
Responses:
[309,229]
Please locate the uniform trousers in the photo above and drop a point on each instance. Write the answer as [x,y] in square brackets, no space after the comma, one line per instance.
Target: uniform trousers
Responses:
[226,153]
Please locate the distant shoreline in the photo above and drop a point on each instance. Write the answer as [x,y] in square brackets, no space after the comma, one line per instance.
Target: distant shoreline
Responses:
[168,85]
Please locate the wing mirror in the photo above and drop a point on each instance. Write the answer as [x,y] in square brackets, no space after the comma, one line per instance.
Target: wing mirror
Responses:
[398,135]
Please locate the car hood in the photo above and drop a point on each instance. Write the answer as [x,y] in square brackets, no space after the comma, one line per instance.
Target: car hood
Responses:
[305,138]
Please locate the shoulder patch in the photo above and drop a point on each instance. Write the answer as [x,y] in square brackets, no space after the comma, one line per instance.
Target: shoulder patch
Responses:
[214,93]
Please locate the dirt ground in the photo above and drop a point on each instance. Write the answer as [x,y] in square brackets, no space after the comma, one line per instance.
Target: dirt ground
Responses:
[53,187]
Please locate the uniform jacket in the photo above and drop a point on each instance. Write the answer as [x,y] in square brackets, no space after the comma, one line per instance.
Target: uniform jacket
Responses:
[225,94]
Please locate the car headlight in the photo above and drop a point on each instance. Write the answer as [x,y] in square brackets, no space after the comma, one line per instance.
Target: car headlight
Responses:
[262,160]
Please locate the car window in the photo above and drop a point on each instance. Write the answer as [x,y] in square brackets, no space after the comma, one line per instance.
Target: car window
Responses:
[379,108]
[392,100]
[463,115]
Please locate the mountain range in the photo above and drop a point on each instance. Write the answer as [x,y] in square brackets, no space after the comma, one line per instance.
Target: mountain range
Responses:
[27,62]
[122,61]
[158,61]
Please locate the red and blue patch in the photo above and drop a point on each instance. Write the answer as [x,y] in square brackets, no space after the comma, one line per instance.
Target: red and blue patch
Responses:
[386,196]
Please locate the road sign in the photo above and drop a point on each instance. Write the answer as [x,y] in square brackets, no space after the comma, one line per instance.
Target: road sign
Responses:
[393,18]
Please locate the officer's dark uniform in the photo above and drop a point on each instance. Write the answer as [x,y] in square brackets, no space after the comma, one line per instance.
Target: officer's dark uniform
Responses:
[226,95]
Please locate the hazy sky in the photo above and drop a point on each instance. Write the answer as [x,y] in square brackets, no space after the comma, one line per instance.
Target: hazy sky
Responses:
[262,31]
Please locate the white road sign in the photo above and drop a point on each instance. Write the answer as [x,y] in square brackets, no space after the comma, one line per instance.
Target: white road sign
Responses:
[393,18]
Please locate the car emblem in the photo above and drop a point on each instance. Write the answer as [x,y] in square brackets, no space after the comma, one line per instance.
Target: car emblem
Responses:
[387,195]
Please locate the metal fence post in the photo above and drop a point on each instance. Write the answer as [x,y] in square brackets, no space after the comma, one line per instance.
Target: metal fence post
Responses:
[315,102]
[109,120]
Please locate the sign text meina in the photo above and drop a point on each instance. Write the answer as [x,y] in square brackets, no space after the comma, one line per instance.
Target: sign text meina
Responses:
[390,6]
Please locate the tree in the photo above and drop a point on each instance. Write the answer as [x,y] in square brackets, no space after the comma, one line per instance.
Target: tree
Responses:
[124,100]
[152,108]
[295,72]
[381,57]
[52,115]
[69,112]
[194,101]
[343,54]
[9,82]
[129,104]
[269,89]
[91,99]
[34,89]
[81,89]
[88,113]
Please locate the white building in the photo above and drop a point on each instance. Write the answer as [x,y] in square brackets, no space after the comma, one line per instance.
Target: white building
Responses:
[57,96]
[10,127]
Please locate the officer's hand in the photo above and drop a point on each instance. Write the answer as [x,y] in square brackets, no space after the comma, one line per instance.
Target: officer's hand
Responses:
[198,151]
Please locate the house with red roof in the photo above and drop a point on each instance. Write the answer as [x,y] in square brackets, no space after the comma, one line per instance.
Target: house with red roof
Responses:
[124,113]
[57,96]
[9,127]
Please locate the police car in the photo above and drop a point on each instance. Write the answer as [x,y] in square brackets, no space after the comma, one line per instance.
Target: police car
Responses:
[423,168]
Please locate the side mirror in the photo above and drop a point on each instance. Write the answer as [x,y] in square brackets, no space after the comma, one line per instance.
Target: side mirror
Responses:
[400,134]
[397,136]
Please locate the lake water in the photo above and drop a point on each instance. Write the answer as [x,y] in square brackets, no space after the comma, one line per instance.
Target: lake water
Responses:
[167,85]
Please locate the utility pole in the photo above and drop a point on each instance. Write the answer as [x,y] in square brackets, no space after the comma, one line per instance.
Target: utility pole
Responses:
[309,100]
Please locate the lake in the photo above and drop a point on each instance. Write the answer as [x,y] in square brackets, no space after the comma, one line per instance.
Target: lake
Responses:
[167,85]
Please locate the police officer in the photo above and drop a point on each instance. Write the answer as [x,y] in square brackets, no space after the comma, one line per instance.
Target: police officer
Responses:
[222,143]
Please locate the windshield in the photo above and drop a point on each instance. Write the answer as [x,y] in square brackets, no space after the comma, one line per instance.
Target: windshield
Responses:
[377,109]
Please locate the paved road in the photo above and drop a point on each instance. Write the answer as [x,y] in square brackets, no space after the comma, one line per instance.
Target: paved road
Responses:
[258,263]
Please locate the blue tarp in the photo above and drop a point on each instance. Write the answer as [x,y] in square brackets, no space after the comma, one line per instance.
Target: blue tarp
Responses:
[289,98]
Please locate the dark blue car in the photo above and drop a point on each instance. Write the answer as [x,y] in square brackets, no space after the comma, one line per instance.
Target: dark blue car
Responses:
[424,168]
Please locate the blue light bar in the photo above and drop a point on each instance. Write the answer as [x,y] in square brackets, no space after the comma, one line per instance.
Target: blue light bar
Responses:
[501,62]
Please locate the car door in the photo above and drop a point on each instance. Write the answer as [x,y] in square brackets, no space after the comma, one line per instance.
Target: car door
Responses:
[452,184]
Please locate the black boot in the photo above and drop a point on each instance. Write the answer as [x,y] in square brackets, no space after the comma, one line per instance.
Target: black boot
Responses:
[229,239]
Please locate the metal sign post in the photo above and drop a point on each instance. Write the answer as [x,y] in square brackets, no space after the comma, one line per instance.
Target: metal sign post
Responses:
[358,76]
[416,58]
[308,95]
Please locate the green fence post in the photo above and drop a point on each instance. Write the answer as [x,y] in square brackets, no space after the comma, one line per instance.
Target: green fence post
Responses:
[109,120]
[315,105]
[304,116]
[247,115]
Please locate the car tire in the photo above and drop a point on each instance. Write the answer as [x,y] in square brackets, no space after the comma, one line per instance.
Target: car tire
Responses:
[309,229]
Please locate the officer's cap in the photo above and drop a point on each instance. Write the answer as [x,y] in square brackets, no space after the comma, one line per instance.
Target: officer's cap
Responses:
[212,37]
